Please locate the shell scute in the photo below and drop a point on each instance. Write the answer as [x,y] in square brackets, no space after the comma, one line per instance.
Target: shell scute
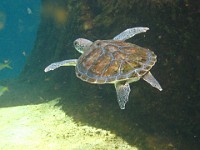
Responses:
[101,63]
[112,69]
[111,48]
[90,58]
[119,55]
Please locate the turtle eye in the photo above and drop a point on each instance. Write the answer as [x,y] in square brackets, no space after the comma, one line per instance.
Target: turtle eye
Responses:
[76,43]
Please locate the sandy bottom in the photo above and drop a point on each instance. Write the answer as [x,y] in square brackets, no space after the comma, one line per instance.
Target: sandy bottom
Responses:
[47,127]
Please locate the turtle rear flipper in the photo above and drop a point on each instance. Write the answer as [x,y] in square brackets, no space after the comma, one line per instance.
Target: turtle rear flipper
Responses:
[53,66]
[151,80]
[129,33]
[123,91]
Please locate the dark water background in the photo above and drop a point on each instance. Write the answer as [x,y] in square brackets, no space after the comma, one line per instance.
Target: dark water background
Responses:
[167,120]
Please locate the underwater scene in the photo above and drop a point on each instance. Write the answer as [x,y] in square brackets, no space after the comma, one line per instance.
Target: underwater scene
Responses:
[100,75]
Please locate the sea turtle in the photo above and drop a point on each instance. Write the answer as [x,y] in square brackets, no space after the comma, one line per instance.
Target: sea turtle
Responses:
[113,62]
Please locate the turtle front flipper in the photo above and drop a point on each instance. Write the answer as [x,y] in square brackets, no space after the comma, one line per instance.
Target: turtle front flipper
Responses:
[123,91]
[151,80]
[129,33]
[53,66]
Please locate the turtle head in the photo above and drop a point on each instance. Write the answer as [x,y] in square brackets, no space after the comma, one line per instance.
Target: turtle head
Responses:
[82,45]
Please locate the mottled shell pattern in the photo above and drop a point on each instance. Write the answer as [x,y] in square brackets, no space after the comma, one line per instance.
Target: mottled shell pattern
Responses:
[108,61]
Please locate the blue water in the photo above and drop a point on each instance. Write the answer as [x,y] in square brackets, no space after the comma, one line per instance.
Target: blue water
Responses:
[20,20]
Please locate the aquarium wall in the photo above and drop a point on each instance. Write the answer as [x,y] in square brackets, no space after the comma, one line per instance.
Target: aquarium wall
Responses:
[19,22]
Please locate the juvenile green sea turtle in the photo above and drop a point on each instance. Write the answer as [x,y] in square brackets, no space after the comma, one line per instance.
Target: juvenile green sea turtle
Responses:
[113,62]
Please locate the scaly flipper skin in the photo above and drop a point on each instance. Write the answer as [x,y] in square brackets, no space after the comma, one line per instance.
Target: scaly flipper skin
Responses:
[53,66]
[129,33]
[123,91]
[151,80]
